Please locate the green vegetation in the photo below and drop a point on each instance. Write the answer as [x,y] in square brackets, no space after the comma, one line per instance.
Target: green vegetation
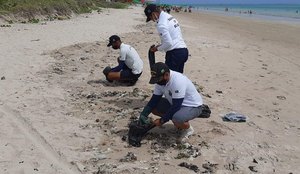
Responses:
[29,9]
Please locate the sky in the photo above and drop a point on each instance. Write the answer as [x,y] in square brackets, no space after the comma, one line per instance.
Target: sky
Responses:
[229,1]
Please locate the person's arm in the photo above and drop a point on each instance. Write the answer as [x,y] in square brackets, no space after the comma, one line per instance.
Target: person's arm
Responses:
[176,105]
[156,96]
[119,67]
[121,61]
[148,109]
[154,101]
[151,104]
[178,95]
[166,40]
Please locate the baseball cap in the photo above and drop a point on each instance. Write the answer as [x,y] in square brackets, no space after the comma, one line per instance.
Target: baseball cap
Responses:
[157,71]
[148,10]
[113,39]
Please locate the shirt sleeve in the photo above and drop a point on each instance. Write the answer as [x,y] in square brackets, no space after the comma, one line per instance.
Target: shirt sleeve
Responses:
[119,67]
[166,40]
[158,90]
[122,54]
[154,101]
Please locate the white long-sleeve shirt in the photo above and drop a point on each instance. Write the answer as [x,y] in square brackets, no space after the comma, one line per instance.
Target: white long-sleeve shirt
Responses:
[169,32]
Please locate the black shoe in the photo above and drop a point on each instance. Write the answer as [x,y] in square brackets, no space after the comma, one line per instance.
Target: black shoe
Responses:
[205,111]
[106,70]
[131,82]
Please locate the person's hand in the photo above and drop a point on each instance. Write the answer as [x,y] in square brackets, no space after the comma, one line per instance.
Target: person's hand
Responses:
[144,119]
[144,115]
[153,48]
[157,122]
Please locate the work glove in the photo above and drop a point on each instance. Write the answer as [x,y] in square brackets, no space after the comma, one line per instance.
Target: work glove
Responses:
[144,115]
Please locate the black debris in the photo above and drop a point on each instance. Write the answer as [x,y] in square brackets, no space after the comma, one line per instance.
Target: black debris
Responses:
[253,168]
[189,166]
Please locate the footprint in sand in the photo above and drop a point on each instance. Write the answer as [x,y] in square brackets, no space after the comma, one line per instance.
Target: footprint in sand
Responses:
[264,66]
[281,97]
[271,88]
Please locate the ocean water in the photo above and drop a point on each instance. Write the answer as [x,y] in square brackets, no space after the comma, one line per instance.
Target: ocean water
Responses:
[280,11]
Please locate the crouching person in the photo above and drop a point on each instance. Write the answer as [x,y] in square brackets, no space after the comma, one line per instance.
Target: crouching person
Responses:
[181,102]
[130,65]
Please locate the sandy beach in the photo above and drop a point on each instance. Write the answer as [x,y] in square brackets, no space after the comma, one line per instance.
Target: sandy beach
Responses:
[59,115]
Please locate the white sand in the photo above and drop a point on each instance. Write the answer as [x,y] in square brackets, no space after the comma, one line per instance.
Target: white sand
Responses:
[53,71]
[34,128]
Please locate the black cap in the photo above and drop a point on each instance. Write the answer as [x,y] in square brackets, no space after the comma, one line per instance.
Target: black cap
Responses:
[113,39]
[148,10]
[157,71]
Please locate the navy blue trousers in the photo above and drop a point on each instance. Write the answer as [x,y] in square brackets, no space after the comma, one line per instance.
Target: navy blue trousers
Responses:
[175,59]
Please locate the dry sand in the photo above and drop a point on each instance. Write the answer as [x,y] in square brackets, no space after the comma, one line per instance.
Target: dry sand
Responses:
[59,115]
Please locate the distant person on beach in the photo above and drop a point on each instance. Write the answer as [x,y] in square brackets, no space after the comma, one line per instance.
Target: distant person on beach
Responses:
[181,102]
[171,38]
[130,64]
[168,9]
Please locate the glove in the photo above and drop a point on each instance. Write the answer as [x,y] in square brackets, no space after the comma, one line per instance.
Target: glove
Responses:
[144,119]
[144,115]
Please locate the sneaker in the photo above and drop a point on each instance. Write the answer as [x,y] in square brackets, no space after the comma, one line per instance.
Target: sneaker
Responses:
[185,133]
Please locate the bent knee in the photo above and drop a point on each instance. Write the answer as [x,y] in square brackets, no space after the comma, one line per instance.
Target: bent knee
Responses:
[178,120]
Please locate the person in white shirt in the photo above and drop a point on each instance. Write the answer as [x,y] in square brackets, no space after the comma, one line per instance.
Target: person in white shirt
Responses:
[171,38]
[181,102]
[130,64]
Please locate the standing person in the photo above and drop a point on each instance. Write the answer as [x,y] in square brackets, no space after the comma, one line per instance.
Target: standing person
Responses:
[181,103]
[171,38]
[130,64]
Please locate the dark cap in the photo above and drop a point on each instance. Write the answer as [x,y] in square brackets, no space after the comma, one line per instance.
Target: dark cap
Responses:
[148,10]
[113,39]
[157,71]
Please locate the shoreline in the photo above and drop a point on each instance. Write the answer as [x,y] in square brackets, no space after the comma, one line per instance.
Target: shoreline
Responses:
[257,17]
[261,10]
